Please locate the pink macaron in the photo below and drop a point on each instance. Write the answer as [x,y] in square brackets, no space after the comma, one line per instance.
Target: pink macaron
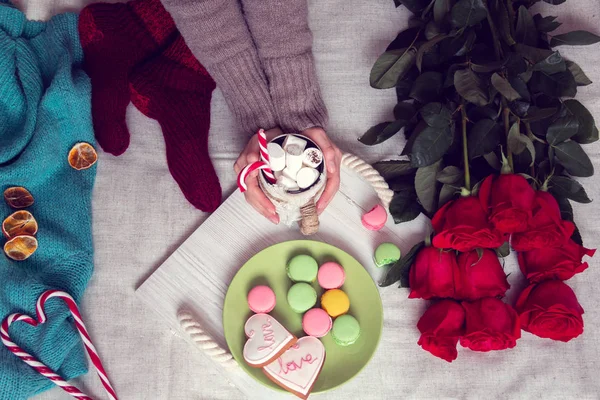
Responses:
[331,275]
[375,219]
[261,299]
[316,322]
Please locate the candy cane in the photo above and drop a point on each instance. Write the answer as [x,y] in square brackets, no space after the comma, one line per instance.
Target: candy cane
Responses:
[40,367]
[264,155]
[241,180]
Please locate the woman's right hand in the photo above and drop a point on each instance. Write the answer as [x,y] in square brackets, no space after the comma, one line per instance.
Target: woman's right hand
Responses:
[254,194]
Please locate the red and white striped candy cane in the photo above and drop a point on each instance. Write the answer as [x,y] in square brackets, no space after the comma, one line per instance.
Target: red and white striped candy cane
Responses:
[241,180]
[264,155]
[42,368]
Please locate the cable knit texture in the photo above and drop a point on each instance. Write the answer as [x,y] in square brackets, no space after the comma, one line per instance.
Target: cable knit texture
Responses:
[45,100]
[133,51]
[284,42]
[260,57]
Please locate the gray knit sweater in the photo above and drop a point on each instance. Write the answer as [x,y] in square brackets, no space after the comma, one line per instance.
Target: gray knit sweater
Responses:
[259,53]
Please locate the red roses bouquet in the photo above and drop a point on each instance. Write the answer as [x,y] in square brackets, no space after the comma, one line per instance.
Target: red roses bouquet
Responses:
[481,98]
[462,269]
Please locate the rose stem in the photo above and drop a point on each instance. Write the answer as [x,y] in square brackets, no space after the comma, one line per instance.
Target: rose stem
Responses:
[465,149]
[530,133]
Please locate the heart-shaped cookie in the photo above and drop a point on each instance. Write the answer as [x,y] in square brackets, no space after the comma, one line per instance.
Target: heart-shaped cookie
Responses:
[299,367]
[267,340]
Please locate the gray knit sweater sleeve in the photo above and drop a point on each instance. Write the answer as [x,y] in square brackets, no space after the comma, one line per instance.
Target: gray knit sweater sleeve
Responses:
[217,34]
[267,73]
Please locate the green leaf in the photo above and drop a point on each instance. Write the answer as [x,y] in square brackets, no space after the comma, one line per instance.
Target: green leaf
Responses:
[404,111]
[405,39]
[561,84]
[554,2]
[459,45]
[430,145]
[503,86]
[447,193]
[581,78]
[414,6]
[505,24]
[399,271]
[431,31]
[471,87]
[488,67]
[441,8]
[504,250]
[525,32]
[571,156]
[533,54]
[404,206]
[562,129]
[426,186]
[493,161]
[427,46]
[587,132]
[382,132]
[436,115]
[575,38]
[563,186]
[546,24]
[427,87]
[393,168]
[391,67]
[450,175]
[535,114]
[483,138]
[552,64]
[518,143]
[403,89]
[467,13]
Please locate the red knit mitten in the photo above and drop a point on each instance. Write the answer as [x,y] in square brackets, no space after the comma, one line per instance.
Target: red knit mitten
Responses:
[176,90]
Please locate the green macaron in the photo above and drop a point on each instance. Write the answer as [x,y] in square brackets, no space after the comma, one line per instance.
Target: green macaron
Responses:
[346,330]
[302,268]
[385,254]
[301,297]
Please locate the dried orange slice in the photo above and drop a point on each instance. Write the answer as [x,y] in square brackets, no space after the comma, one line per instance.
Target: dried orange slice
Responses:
[19,223]
[82,156]
[21,247]
[18,197]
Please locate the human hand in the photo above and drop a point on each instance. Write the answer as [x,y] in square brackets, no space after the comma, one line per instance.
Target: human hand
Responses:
[254,194]
[333,159]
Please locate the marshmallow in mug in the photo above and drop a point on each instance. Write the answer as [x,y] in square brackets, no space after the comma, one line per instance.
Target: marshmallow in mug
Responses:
[276,157]
[312,157]
[306,177]
[294,157]
[293,140]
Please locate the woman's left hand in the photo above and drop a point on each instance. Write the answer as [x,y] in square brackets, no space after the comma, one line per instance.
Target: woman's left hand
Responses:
[333,158]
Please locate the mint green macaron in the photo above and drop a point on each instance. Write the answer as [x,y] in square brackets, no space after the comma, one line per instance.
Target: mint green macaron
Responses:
[302,268]
[301,297]
[385,254]
[346,330]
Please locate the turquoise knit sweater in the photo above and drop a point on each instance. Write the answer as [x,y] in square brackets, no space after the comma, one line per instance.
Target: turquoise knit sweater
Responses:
[45,102]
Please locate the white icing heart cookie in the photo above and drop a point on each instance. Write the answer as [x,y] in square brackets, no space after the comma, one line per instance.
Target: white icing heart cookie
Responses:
[267,340]
[298,368]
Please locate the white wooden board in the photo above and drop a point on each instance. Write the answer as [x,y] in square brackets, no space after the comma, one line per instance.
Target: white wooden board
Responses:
[197,274]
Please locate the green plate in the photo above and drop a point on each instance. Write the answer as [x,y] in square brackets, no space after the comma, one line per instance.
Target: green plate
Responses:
[268,268]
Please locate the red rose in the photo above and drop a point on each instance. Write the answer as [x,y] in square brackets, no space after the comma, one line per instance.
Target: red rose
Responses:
[550,310]
[480,276]
[490,325]
[440,327]
[433,274]
[462,225]
[546,227]
[510,198]
[554,263]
